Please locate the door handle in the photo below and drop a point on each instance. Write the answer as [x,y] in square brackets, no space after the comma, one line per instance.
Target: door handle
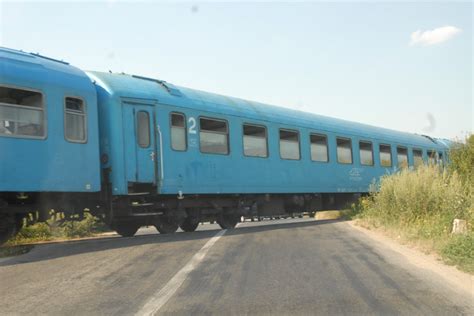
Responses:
[152,155]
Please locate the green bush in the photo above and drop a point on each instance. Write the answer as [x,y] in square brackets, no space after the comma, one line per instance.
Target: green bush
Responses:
[40,231]
[461,158]
[58,228]
[83,228]
[460,250]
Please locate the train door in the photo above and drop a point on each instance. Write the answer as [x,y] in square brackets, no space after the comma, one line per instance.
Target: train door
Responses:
[139,142]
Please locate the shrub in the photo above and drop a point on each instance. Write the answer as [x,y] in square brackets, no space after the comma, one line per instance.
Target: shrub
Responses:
[461,158]
[83,228]
[39,231]
[57,227]
[427,199]
[460,250]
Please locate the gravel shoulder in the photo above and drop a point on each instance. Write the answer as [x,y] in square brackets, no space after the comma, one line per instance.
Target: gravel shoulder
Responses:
[428,266]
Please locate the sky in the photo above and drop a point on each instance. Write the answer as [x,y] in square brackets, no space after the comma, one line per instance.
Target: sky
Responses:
[404,66]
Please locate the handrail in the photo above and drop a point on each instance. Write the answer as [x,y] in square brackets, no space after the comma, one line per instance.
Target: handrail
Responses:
[162,171]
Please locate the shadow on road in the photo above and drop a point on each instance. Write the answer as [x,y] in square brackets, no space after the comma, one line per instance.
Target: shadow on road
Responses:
[70,248]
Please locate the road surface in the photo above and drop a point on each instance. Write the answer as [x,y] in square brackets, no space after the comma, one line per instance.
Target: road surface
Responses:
[297,267]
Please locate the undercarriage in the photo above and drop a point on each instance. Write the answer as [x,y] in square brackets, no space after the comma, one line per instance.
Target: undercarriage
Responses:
[126,214]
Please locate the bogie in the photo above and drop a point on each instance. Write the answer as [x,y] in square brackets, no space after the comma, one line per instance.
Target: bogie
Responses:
[166,226]
[189,224]
[228,221]
[126,229]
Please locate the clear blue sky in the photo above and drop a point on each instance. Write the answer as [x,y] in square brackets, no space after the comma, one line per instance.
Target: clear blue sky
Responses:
[348,60]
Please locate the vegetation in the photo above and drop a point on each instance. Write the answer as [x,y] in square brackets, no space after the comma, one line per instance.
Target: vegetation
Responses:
[462,160]
[419,206]
[58,228]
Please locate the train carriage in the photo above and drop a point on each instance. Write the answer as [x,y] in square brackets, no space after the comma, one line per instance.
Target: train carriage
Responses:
[187,153]
[49,149]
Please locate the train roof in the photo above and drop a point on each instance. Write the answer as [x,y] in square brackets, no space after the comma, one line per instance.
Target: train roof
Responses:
[36,70]
[29,67]
[124,85]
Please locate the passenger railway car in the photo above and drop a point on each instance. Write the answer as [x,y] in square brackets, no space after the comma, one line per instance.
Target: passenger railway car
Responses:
[49,146]
[140,151]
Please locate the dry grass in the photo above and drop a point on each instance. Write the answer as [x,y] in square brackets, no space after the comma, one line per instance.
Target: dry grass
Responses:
[419,206]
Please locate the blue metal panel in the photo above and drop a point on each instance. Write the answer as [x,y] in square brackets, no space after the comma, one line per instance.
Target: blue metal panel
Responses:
[53,163]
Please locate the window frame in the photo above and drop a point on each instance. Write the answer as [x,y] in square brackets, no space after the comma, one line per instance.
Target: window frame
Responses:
[434,156]
[266,140]
[413,150]
[391,155]
[407,155]
[86,125]
[351,147]
[327,147]
[185,131]
[371,150]
[299,142]
[149,129]
[43,109]
[227,133]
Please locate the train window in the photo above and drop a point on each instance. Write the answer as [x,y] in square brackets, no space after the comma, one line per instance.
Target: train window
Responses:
[255,140]
[385,155]
[344,150]
[213,136]
[289,144]
[21,113]
[402,157]
[431,157]
[417,157]
[319,147]
[366,153]
[143,129]
[440,158]
[178,132]
[75,120]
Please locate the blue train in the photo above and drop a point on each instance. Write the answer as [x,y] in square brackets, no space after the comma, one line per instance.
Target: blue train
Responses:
[140,151]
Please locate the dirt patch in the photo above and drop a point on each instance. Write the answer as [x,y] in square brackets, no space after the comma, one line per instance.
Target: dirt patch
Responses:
[324,215]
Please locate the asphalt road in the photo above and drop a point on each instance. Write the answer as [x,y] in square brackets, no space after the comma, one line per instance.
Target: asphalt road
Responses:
[298,267]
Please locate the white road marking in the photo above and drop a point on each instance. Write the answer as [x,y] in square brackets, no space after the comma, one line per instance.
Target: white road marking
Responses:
[162,296]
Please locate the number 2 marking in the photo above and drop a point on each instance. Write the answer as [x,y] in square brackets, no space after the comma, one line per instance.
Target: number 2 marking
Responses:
[192,125]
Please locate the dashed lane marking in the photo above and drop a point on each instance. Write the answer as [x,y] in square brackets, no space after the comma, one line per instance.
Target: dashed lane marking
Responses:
[159,299]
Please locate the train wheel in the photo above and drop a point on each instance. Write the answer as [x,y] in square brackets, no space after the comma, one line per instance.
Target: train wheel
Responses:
[126,229]
[190,224]
[165,226]
[228,221]
[8,227]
